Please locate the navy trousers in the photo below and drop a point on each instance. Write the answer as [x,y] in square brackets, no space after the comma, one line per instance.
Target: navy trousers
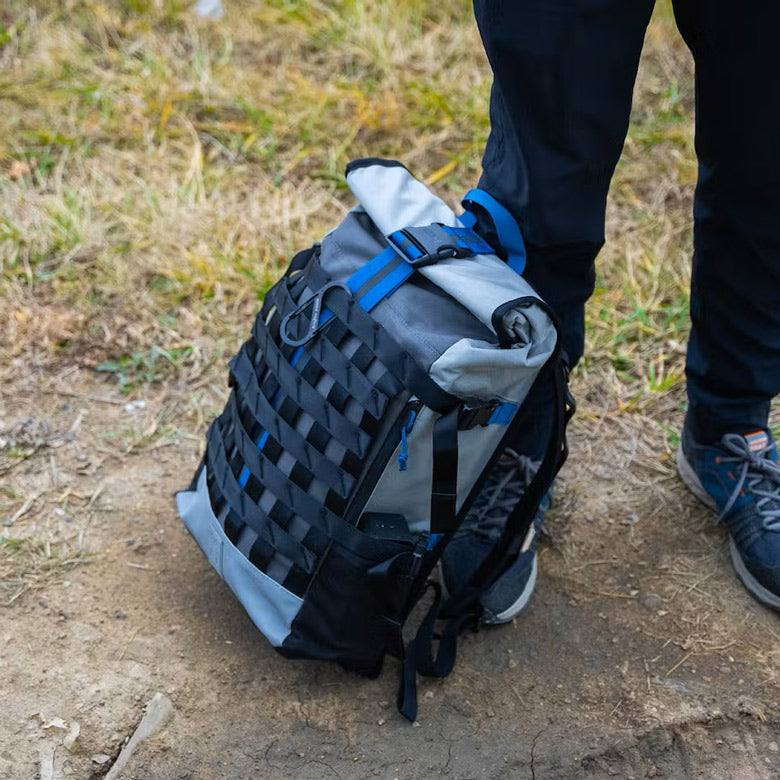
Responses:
[564,73]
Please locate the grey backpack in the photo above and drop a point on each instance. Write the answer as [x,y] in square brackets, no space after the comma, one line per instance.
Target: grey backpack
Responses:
[380,383]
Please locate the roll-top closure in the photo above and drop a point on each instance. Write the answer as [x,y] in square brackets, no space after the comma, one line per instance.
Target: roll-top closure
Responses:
[482,283]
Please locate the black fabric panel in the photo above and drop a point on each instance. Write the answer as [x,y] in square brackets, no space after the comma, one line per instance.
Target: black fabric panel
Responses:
[306,396]
[310,371]
[261,553]
[341,618]
[370,424]
[335,503]
[252,515]
[282,515]
[288,410]
[352,464]
[318,437]
[338,397]
[292,441]
[362,358]
[296,581]
[301,476]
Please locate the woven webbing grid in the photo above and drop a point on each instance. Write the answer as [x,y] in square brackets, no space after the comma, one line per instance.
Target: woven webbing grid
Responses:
[283,457]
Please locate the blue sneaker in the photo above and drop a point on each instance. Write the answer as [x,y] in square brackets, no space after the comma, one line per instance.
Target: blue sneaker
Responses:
[482,526]
[739,478]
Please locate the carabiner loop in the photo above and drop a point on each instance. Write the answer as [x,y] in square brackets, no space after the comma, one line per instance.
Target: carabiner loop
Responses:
[319,316]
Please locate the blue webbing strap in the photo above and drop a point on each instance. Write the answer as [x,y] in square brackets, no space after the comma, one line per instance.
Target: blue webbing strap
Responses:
[506,227]
[431,242]
[468,219]
[502,414]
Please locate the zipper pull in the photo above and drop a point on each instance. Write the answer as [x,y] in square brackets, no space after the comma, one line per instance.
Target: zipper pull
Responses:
[406,428]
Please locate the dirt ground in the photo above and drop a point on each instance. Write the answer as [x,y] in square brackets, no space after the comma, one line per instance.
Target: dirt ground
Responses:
[157,172]
[640,656]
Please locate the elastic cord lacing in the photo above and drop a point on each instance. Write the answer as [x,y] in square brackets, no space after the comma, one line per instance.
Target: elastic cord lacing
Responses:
[505,486]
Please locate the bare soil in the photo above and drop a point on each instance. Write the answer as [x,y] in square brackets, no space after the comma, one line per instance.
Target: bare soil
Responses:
[640,655]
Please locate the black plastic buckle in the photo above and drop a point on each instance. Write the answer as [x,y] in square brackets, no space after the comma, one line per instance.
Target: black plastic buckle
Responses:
[444,252]
[470,417]
[315,303]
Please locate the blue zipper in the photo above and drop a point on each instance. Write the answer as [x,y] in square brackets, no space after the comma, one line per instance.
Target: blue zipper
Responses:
[406,428]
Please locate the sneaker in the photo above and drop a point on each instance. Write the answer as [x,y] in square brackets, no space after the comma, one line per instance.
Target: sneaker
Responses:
[739,478]
[480,530]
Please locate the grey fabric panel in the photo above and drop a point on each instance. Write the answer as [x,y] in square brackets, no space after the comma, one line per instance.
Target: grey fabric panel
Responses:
[474,370]
[409,492]
[271,607]
[394,199]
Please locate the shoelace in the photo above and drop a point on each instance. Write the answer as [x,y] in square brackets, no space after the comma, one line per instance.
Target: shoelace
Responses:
[761,475]
[512,475]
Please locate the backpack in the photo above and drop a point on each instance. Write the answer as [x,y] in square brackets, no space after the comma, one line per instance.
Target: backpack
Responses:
[380,383]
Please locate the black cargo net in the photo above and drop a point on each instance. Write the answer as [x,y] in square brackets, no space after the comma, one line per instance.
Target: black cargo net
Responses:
[284,457]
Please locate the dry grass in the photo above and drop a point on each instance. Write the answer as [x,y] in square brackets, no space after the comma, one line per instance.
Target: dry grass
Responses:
[158,171]
[29,564]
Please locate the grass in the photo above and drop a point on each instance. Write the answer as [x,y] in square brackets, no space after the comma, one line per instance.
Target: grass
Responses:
[27,564]
[157,171]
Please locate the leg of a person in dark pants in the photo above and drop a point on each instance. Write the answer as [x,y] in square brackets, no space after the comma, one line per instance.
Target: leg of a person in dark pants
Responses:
[733,367]
[563,80]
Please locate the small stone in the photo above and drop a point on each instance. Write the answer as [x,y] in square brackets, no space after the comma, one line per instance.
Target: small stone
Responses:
[773,747]
[651,601]
[100,759]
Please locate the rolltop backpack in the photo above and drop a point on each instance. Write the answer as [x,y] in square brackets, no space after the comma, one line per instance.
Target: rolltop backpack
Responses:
[381,381]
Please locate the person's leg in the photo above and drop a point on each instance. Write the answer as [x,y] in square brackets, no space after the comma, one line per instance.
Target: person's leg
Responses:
[564,73]
[733,366]
[563,79]
[727,457]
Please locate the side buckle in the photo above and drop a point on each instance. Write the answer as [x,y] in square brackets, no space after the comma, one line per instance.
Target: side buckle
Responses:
[416,254]
[472,416]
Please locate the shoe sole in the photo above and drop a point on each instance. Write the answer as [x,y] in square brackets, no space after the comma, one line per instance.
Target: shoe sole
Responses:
[754,587]
[519,604]
[511,612]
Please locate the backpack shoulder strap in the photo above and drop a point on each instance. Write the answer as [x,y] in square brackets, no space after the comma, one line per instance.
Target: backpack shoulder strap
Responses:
[463,609]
